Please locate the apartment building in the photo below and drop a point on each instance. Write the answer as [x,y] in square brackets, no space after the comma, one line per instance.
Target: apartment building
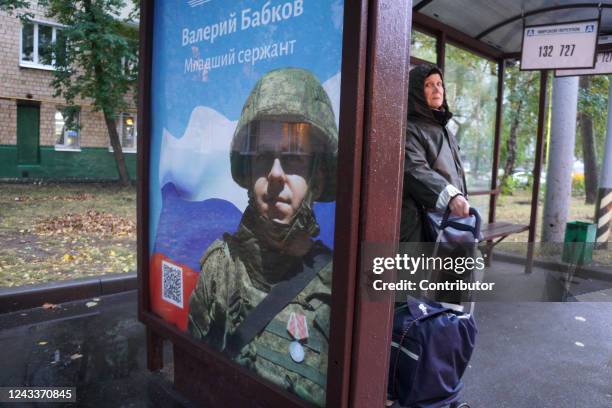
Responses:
[35,142]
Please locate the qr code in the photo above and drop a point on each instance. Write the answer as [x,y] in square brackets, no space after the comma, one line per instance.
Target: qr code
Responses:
[172,284]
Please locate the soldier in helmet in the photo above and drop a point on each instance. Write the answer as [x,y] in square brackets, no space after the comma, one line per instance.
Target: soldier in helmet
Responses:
[263,295]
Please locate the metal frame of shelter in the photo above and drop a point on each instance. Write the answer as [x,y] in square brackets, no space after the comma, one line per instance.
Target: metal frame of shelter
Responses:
[445,34]
[374,90]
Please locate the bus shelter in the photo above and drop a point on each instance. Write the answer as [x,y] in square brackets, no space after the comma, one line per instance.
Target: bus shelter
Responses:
[195,57]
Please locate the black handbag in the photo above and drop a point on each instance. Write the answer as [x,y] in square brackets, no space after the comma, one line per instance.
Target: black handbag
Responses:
[430,350]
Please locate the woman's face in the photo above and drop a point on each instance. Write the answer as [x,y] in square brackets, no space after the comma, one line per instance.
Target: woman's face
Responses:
[434,91]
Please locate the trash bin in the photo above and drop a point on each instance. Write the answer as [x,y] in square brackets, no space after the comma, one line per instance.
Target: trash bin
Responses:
[579,242]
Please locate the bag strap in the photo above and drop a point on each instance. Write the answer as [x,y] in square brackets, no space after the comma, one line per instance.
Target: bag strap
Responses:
[475,230]
[276,300]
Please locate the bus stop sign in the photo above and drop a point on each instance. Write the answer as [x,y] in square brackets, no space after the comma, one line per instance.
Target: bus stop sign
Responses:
[559,46]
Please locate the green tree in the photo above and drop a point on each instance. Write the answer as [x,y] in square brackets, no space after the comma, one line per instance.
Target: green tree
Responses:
[11,5]
[471,83]
[592,102]
[21,6]
[96,59]
[520,117]
[520,121]
[585,123]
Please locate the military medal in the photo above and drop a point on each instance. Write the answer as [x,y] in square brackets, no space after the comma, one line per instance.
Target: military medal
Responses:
[298,328]
[296,351]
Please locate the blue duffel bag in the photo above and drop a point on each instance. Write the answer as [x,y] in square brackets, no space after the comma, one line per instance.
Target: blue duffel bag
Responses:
[431,346]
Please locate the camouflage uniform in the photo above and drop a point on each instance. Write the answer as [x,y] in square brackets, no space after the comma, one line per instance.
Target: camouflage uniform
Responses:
[239,270]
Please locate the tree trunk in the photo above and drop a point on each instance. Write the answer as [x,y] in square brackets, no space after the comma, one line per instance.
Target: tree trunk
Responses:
[111,125]
[511,144]
[476,119]
[588,149]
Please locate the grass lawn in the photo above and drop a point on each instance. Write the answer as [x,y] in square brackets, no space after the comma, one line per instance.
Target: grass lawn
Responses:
[53,232]
[516,208]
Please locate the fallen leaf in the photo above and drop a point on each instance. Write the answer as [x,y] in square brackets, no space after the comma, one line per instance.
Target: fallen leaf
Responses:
[49,306]
[90,222]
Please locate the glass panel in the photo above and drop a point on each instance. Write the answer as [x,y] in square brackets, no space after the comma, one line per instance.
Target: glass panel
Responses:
[27,42]
[128,131]
[423,46]
[67,130]
[242,184]
[72,138]
[471,89]
[481,203]
[59,128]
[45,47]
[60,48]
[517,149]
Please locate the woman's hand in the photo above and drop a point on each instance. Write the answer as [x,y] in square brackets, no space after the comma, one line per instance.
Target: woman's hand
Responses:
[459,206]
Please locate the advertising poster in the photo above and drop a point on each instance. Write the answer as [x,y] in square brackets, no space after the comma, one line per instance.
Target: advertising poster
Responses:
[244,139]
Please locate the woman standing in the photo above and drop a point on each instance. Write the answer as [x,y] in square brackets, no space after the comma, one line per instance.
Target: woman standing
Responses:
[433,174]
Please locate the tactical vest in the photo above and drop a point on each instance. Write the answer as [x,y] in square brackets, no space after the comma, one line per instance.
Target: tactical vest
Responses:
[236,294]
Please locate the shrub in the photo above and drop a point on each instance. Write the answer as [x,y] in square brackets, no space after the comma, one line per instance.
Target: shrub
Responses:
[578,187]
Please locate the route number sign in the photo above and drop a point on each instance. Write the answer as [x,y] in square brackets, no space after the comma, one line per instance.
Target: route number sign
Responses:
[558,46]
[603,66]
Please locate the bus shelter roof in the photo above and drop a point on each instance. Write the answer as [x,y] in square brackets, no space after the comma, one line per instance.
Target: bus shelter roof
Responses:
[499,23]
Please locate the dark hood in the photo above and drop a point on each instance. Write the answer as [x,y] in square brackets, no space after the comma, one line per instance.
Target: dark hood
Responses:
[417,106]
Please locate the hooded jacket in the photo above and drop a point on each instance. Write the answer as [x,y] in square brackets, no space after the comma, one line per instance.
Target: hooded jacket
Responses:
[433,173]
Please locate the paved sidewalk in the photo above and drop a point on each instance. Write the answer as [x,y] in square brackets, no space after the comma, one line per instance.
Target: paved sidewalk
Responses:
[530,354]
[99,349]
[544,355]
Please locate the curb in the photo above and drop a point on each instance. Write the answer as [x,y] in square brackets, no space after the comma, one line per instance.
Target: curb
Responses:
[589,272]
[27,297]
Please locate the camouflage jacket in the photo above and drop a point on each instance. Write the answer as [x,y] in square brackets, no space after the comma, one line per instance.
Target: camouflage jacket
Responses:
[231,285]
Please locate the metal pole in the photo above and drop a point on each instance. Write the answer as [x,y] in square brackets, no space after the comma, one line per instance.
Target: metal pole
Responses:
[386,104]
[441,50]
[559,173]
[603,209]
[537,169]
[501,68]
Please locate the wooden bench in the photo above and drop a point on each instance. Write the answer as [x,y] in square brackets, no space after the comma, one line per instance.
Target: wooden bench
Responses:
[494,233]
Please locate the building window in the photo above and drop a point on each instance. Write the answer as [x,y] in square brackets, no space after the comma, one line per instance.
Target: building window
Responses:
[67,135]
[127,132]
[37,43]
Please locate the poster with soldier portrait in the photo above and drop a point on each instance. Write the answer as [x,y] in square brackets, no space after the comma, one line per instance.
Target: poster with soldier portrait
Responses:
[244,140]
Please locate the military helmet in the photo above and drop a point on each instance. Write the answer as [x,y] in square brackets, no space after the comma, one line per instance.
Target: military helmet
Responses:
[291,96]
